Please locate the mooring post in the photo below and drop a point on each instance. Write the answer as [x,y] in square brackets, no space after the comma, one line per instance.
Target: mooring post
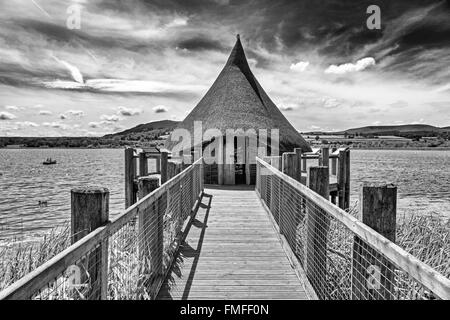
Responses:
[143,164]
[317,224]
[372,273]
[164,159]
[130,175]
[89,211]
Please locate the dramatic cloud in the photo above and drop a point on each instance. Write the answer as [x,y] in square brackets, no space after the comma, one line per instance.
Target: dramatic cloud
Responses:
[6,116]
[13,108]
[160,109]
[360,65]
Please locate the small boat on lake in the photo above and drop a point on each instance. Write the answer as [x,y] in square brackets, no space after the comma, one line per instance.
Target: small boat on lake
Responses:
[49,161]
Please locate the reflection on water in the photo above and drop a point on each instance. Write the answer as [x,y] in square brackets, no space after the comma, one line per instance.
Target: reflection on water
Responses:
[422,177]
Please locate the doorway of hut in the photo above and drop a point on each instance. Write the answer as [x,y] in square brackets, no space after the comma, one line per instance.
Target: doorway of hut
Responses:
[239,168]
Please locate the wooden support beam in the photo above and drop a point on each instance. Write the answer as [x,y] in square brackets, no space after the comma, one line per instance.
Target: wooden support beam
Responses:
[89,211]
[318,224]
[164,160]
[143,164]
[288,164]
[324,159]
[333,162]
[298,164]
[372,273]
[130,175]
[343,179]
[146,226]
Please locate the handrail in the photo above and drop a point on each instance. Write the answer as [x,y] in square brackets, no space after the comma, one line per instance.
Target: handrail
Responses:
[417,269]
[25,287]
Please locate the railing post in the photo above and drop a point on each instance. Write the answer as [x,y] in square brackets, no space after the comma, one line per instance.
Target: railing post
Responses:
[145,225]
[298,165]
[143,164]
[317,224]
[333,162]
[372,274]
[343,178]
[89,211]
[324,159]
[164,159]
[130,175]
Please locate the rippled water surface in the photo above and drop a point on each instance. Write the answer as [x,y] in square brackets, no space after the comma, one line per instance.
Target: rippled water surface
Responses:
[423,179]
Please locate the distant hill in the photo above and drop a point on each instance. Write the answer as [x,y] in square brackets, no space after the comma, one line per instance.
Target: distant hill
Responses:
[147,131]
[400,130]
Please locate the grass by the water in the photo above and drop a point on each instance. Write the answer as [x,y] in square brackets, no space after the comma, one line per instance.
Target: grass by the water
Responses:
[427,237]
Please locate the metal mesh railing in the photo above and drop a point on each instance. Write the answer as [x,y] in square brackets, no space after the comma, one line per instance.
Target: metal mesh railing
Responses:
[126,259]
[342,258]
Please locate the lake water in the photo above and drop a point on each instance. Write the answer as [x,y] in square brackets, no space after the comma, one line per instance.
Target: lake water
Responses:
[423,180]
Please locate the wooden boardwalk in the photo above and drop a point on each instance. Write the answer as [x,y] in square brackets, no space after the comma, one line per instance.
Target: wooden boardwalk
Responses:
[232,251]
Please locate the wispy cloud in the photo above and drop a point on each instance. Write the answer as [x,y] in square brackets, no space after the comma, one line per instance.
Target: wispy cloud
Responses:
[360,65]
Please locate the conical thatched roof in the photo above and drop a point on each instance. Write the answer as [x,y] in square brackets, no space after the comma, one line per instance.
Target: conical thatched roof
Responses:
[236,100]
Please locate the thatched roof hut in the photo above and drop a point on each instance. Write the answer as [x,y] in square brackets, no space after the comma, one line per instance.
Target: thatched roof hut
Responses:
[236,100]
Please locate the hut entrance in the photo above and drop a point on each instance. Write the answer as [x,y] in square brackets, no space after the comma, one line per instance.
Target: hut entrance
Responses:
[239,168]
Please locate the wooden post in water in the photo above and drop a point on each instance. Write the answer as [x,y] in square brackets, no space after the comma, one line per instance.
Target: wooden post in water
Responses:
[164,159]
[372,274]
[130,175]
[143,164]
[317,224]
[89,211]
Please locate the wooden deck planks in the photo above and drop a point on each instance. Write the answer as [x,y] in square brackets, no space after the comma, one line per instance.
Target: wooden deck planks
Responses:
[232,252]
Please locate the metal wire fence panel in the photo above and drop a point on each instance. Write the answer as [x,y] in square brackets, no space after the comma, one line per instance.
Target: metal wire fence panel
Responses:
[126,259]
[343,258]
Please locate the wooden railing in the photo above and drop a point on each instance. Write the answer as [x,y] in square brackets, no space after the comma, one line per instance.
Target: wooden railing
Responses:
[295,164]
[127,258]
[341,256]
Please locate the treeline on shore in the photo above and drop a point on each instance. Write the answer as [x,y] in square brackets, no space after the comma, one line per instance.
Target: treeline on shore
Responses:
[63,142]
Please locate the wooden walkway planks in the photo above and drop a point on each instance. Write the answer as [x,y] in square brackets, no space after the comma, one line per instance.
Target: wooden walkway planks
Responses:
[232,252]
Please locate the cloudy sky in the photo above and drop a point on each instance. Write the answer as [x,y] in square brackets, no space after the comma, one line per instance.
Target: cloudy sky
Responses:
[137,61]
